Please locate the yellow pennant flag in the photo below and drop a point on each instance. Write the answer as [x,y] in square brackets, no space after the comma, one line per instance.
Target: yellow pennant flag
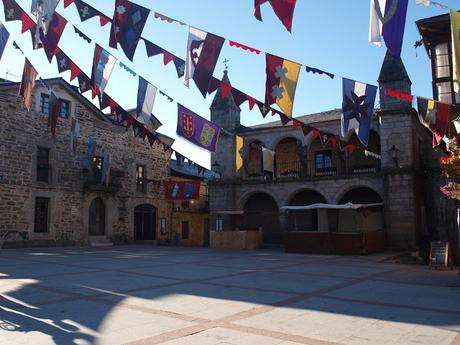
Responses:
[239,158]
[455,29]
[289,84]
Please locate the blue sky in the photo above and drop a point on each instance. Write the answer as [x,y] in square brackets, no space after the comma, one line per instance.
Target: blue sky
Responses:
[330,35]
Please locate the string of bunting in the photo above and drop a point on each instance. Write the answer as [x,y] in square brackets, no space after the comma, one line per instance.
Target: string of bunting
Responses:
[84,83]
[214,84]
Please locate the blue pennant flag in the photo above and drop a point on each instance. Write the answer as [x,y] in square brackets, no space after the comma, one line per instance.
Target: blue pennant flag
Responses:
[358,108]
[4,35]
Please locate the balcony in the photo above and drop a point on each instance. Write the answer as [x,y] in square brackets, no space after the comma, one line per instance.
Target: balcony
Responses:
[92,181]
[295,171]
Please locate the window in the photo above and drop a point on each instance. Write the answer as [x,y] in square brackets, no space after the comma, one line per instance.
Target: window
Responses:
[43,166]
[45,106]
[141,185]
[97,167]
[323,161]
[41,214]
[65,109]
[185,230]
[44,103]
[442,77]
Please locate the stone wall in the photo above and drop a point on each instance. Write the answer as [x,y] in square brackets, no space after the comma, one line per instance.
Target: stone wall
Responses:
[21,132]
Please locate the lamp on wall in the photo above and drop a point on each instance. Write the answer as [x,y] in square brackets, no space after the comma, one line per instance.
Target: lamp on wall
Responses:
[394,154]
[217,169]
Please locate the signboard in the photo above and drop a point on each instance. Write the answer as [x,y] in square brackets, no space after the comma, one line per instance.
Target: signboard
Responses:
[439,254]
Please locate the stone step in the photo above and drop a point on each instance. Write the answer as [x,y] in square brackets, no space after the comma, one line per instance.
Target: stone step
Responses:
[99,241]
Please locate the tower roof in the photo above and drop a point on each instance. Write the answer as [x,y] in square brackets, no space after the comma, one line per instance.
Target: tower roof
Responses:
[393,70]
[228,101]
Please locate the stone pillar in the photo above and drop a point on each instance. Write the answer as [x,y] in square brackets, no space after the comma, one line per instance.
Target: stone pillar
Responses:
[397,122]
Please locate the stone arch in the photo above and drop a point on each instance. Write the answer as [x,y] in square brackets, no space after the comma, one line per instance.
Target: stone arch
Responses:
[261,211]
[287,157]
[351,186]
[364,220]
[306,220]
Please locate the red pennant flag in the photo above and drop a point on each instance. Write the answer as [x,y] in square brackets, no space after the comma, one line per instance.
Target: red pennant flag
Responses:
[295,124]
[167,57]
[129,120]
[75,71]
[67,3]
[284,9]
[27,22]
[316,133]
[104,20]
[55,110]
[226,88]
[351,148]
[333,141]
[252,102]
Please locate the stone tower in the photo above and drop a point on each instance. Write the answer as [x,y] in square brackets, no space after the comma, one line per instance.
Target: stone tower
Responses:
[226,114]
[397,139]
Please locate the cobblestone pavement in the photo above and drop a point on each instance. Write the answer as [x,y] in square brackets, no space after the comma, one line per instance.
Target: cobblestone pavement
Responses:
[169,295]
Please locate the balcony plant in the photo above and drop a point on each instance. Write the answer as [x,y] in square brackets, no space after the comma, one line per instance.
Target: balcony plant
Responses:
[450,169]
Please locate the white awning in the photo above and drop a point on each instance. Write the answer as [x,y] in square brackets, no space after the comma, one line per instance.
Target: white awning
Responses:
[229,212]
[347,206]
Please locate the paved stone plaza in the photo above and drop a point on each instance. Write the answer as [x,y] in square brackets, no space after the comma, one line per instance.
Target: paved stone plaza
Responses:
[169,295]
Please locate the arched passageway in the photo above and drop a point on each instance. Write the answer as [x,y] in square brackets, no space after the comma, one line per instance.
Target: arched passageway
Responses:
[261,210]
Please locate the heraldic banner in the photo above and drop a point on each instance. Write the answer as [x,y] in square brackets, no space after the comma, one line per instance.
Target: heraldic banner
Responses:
[181,190]
[196,129]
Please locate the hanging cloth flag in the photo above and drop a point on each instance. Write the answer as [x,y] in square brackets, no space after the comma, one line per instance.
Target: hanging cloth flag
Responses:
[427,3]
[105,168]
[239,157]
[4,35]
[29,75]
[74,134]
[127,26]
[455,29]
[196,129]
[43,11]
[284,9]
[388,19]
[86,12]
[282,76]
[434,116]
[203,50]
[103,64]
[358,108]
[54,110]
[89,154]
[51,39]
[14,12]
[268,162]
[181,190]
[145,100]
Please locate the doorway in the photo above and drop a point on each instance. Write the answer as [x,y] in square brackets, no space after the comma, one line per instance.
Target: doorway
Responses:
[96,224]
[145,223]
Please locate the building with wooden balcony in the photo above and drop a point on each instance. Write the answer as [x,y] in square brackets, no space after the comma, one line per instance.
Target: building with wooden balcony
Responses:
[49,196]
[404,180]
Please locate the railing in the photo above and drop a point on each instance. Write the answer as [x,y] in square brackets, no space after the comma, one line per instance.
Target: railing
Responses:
[295,169]
[92,182]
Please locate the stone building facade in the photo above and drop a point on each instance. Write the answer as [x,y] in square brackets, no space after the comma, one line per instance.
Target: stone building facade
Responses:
[405,179]
[47,197]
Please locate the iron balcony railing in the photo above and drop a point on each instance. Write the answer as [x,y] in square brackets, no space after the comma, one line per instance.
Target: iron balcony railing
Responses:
[297,170]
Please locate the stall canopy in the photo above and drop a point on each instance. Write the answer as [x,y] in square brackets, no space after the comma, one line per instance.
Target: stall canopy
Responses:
[347,206]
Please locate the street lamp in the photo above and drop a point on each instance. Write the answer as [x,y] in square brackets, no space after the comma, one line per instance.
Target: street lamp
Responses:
[217,169]
[394,154]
